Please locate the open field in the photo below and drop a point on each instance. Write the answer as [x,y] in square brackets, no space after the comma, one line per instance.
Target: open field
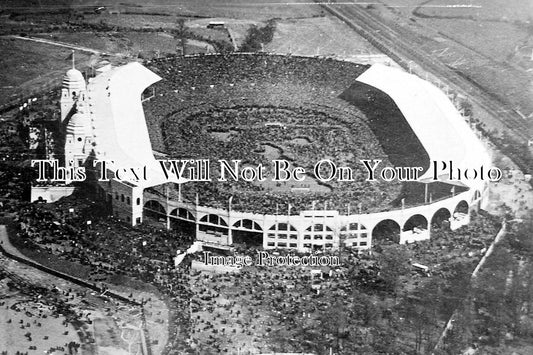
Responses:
[504,36]
[490,43]
[492,10]
[31,65]
[256,9]
[500,10]
[325,36]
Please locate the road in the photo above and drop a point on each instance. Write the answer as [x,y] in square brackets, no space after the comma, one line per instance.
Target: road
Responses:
[56,43]
[401,45]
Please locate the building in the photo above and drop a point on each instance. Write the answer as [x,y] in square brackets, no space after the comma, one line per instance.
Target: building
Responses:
[104,120]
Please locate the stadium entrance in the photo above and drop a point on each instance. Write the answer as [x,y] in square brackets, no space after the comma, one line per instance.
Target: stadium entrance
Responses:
[247,232]
[183,221]
[154,213]
[248,239]
[441,219]
[386,231]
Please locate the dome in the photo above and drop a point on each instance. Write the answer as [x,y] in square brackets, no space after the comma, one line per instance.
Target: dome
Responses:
[77,125]
[74,80]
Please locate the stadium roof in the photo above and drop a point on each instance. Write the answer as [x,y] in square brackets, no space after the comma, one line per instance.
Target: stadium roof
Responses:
[434,119]
[118,122]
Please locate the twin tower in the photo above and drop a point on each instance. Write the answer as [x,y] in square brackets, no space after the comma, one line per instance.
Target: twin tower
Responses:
[75,120]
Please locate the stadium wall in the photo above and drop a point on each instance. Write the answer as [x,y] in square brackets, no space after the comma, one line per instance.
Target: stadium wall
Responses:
[307,231]
[313,229]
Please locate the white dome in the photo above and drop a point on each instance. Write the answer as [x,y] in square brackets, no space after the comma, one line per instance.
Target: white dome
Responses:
[74,80]
[77,125]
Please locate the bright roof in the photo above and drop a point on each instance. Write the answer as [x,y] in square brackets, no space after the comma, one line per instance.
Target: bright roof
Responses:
[434,119]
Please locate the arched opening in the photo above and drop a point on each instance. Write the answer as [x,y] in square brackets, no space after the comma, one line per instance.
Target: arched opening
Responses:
[154,210]
[462,207]
[182,221]
[416,221]
[282,235]
[248,233]
[182,213]
[247,224]
[214,219]
[386,231]
[460,216]
[214,224]
[441,218]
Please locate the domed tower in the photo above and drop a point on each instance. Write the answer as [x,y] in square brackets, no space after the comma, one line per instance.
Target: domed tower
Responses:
[73,86]
[78,139]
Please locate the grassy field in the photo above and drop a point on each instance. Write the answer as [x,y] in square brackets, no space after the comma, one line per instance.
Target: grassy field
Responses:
[504,10]
[323,35]
[498,10]
[256,9]
[504,36]
[30,65]
[490,43]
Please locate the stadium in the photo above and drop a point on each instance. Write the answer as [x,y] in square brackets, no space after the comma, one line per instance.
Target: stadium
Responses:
[261,107]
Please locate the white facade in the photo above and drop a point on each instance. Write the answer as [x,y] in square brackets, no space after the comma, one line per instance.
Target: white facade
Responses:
[112,121]
[73,86]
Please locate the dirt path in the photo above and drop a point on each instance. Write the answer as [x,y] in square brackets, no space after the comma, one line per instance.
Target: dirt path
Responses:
[55,43]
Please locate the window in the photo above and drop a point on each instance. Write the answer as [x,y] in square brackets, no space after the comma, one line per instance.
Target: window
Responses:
[116,195]
[270,244]
[138,201]
[292,245]
[122,198]
[128,219]
[282,245]
[362,244]
[138,220]
[128,201]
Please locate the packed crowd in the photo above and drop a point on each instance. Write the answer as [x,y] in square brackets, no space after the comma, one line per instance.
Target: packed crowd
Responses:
[233,106]
[269,309]
[254,310]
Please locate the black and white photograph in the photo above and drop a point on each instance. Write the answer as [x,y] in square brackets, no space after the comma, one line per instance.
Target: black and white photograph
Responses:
[265,177]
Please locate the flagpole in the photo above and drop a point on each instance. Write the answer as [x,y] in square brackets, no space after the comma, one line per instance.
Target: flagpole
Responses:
[230,235]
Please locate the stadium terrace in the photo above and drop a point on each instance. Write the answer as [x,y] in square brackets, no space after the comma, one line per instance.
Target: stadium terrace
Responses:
[267,107]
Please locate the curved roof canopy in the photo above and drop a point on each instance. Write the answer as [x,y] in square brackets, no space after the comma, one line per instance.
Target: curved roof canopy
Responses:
[434,119]
[118,124]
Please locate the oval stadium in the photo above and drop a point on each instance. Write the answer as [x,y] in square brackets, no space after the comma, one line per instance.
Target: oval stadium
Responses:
[260,108]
